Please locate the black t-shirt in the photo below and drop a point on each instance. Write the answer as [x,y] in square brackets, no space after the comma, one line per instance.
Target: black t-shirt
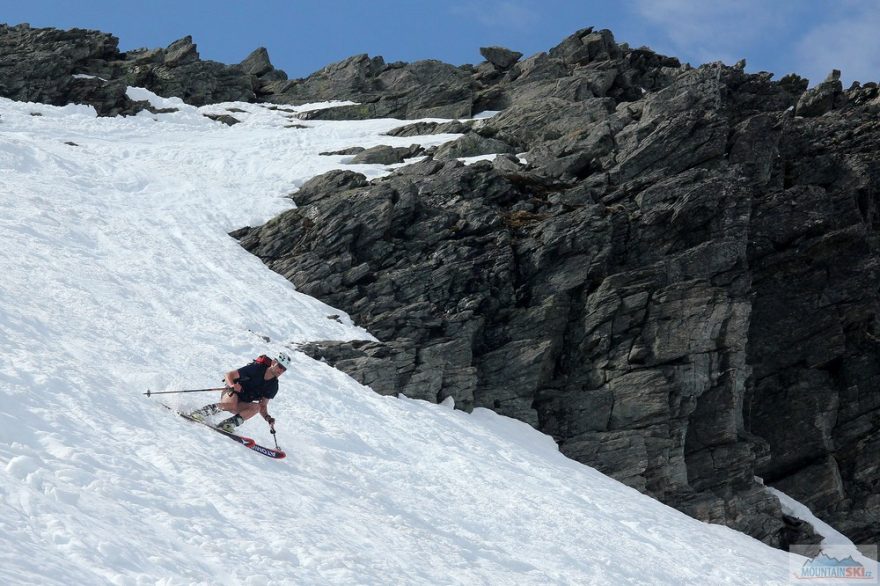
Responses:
[253,386]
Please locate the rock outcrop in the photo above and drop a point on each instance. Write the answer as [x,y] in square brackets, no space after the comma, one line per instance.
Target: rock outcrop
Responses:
[83,66]
[52,66]
[679,285]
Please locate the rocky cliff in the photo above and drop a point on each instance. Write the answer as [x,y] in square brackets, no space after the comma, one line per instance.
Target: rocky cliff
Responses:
[673,271]
[676,277]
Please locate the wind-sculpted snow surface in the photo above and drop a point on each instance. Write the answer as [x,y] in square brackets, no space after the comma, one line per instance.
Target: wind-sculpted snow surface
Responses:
[118,276]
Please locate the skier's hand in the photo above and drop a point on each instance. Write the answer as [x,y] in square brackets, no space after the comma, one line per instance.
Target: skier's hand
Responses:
[271,421]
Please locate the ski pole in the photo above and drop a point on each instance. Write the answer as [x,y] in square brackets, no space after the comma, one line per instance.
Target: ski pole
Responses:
[149,392]
[272,431]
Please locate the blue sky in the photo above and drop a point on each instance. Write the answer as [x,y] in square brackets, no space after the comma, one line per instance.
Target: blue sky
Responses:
[808,37]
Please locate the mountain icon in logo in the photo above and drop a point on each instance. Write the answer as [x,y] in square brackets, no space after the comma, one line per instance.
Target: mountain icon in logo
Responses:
[825,561]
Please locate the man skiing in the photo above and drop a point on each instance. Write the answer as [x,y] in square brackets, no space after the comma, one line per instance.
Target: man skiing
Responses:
[248,391]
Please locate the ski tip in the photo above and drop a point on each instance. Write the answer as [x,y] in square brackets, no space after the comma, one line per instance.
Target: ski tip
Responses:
[270,452]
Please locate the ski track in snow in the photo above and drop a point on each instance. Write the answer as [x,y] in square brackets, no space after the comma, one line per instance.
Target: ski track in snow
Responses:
[118,275]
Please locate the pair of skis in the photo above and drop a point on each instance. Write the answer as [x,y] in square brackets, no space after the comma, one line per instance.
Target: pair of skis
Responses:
[247,442]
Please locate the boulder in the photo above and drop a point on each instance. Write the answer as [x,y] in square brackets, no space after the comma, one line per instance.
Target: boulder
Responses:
[500,58]
[257,63]
[470,145]
[586,46]
[386,155]
[423,128]
[823,98]
[181,52]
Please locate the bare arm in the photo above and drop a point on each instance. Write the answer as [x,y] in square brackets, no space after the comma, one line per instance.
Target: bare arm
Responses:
[264,411]
[230,379]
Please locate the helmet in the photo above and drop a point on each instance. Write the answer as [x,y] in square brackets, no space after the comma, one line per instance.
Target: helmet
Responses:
[284,360]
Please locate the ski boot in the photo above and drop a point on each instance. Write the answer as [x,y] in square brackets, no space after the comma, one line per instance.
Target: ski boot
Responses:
[229,425]
[205,412]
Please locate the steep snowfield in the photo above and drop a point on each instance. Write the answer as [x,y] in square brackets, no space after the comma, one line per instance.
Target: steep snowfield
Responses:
[117,275]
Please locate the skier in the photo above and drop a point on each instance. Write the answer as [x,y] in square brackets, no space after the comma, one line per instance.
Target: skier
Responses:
[248,391]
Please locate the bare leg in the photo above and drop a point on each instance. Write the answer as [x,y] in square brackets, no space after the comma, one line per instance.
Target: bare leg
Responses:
[248,410]
[230,402]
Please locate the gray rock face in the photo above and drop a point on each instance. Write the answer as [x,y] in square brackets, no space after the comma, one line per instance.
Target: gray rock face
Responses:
[813,336]
[679,286]
[470,145]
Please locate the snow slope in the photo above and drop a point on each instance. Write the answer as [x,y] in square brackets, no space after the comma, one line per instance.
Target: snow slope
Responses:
[118,276]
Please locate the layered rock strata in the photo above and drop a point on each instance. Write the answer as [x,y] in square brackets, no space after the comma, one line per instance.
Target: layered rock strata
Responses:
[679,283]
